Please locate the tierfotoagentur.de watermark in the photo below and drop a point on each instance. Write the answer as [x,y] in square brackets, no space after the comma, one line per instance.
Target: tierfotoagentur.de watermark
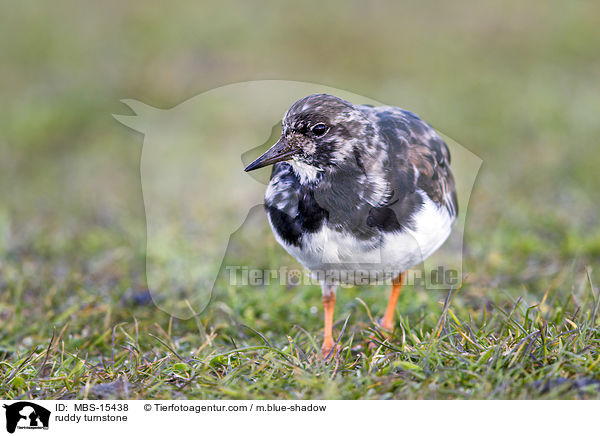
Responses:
[439,278]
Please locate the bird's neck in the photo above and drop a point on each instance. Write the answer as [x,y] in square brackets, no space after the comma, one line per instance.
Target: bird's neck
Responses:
[364,175]
[359,178]
[342,190]
[307,174]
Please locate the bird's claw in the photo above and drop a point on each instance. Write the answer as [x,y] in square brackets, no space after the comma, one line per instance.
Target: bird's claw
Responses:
[329,351]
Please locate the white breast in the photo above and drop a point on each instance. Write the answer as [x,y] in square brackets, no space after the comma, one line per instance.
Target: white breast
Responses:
[329,249]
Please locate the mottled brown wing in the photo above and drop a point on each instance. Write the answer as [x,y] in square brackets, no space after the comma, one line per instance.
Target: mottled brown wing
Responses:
[428,153]
[432,160]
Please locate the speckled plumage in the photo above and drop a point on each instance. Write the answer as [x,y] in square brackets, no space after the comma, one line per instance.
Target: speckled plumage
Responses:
[362,186]
[357,192]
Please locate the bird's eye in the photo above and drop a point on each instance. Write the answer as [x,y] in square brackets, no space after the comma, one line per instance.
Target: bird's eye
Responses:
[319,129]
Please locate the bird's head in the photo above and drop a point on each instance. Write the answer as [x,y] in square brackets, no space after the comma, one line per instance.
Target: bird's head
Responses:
[320,132]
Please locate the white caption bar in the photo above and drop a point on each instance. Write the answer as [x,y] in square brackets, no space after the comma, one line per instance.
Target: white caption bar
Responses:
[148,417]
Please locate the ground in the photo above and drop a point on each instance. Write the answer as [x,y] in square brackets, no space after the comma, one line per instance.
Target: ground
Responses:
[516,83]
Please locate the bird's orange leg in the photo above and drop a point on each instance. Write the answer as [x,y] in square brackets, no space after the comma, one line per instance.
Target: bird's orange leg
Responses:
[387,321]
[328,306]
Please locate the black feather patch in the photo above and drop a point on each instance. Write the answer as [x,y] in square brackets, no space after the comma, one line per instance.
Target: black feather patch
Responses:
[300,214]
[287,227]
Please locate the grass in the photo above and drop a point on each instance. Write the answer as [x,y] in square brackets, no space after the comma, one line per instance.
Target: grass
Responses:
[514,82]
[88,341]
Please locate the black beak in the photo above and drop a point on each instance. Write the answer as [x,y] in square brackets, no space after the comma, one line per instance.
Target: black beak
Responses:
[279,152]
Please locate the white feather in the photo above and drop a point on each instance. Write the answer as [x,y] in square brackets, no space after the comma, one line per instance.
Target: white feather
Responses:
[399,251]
[306,172]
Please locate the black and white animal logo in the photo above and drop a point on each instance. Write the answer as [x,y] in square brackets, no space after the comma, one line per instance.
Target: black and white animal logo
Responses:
[26,415]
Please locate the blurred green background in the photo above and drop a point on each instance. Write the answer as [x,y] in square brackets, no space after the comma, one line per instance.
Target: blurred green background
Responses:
[516,82]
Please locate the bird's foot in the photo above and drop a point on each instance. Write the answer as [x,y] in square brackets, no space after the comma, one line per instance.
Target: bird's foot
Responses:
[387,325]
[330,350]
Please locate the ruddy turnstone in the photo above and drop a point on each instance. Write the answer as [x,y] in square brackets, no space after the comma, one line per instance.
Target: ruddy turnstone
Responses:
[358,188]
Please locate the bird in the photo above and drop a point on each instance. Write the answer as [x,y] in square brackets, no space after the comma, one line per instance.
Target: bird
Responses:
[357,191]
